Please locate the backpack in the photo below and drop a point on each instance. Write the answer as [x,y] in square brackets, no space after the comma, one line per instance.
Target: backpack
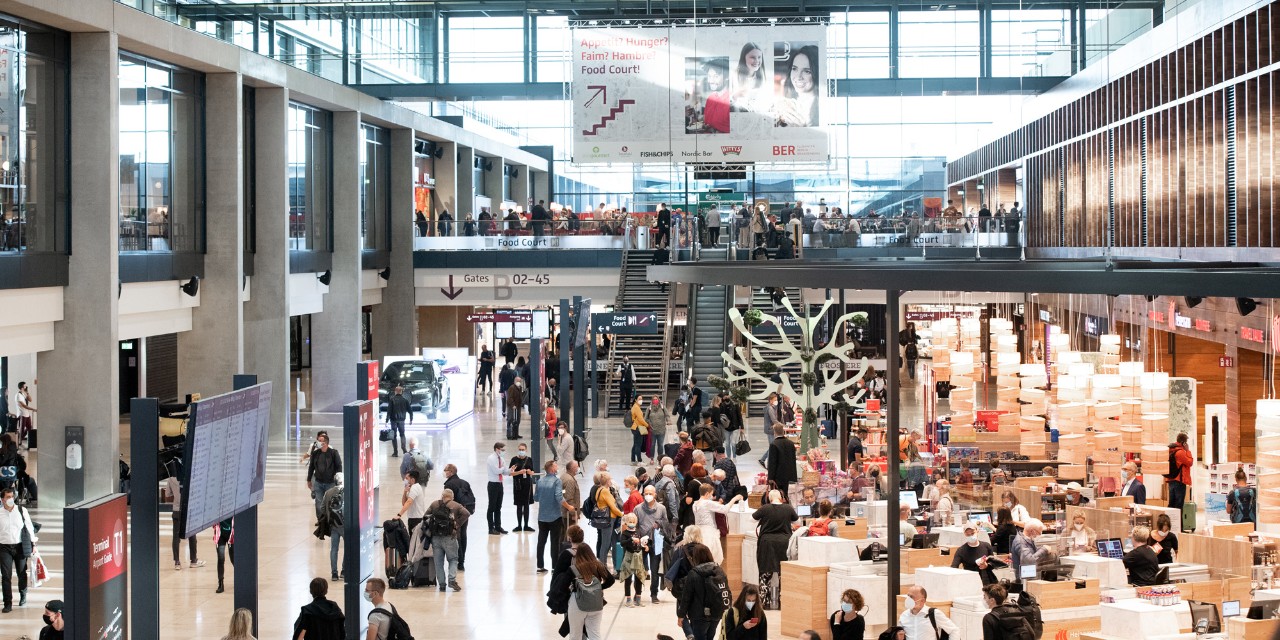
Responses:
[589,595]
[465,497]
[1246,505]
[1031,611]
[335,509]
[716,595]
[398,629]
[1012,622]
[441,522]
[939,634]
[580,448]
[423,465]
[820,527]
[627,421]
[890,634]
[403,578]
[1175,470]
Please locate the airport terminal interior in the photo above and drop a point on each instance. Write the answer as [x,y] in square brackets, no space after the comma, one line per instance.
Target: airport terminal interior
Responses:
[900,319]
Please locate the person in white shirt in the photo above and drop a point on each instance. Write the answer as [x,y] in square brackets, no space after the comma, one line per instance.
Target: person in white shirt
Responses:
[26,410]
[1020,514]
[922,622]
[13,519]
[415,500]
[496,469]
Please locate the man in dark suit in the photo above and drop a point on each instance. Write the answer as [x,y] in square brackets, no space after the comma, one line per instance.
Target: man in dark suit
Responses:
[1131,485]
[1141,563]
[539,217]
[664,225]
[782,459]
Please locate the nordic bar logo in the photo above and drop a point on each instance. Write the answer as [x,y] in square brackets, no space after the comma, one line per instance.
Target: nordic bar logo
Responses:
[727,150]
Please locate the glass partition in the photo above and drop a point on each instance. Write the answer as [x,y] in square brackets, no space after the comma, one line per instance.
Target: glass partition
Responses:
[161,157]
[375,192]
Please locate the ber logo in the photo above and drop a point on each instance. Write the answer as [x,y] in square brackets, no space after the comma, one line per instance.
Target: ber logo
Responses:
[784,150]
[730,150]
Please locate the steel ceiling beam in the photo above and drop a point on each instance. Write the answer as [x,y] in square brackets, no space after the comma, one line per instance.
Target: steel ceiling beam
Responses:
[843,88]
[1084,277]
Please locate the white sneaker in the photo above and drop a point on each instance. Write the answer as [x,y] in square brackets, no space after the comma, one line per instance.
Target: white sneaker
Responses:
[197,564]
[177,566]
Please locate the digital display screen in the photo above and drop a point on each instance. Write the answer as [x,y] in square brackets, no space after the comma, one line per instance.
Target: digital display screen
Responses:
[522,330]
[1028,572]
[804,510]
[502,330]
[1230,608]
[542,323]
[226,456]
[980,516]
[1111,548]
[910,499]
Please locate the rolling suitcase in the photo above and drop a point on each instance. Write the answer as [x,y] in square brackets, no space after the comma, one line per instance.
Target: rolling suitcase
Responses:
[424,572]
[1188,516]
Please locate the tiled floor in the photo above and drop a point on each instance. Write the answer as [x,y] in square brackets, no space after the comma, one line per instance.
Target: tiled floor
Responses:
[502,595]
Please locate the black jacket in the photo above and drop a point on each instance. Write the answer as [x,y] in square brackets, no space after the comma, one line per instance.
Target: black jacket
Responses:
[322,620]
[506,377]
[398,407]
[323,465]
[782,461]
[696,597]
[461,492]
[1142,565]
[664,218]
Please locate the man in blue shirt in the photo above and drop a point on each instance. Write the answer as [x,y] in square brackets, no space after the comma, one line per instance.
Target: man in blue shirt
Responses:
[549,493]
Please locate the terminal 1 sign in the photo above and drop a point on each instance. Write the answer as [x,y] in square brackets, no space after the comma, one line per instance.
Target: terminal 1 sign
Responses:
[698,93]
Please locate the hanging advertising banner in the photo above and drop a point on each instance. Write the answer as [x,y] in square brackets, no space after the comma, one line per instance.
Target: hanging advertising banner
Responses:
[706,93]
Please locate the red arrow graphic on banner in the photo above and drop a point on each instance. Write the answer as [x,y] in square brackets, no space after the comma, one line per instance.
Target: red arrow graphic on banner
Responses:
[453,292]
[602,92]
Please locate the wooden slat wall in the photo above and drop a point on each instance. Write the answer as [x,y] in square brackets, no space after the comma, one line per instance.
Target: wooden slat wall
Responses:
[1186,155]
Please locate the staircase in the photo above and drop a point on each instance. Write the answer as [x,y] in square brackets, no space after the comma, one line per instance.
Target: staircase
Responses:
[708,332]
[760,300]
[646,353]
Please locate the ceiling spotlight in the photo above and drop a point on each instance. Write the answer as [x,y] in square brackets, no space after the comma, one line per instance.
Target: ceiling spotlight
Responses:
[191,287]
[325,277]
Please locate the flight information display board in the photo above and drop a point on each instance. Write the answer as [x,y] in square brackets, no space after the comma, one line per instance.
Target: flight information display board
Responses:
[226,456]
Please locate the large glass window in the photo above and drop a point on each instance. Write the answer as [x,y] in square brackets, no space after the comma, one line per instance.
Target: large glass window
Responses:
[375,191]
[552,33]
[250,182]
[310,178]
[938,44]
[486,49]
[161,156]
[859,44]
[1030,42]
[33,138]
[424,171]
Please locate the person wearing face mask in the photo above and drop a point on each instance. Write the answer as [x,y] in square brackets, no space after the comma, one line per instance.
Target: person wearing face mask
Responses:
[922,622]
[651,521]
[1024,551]
[1002,537]
[522,474]
[704,511]
[973,555]
[562,445]
[745,619]
[1083,538]
[1018,512]
[1074,497]
[1130,485]
[634,550]
[848,623]
[380,617]
[53,621]
[1164,541]
[1005,620]
[323,463]
[631,486]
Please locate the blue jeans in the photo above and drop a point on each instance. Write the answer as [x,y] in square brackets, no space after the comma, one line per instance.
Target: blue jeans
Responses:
[1177,495]
[446,560]
[703,629]
[318,490]
[335,538]
[604,541]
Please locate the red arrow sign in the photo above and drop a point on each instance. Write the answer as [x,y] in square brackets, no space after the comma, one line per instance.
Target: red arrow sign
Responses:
[452,292]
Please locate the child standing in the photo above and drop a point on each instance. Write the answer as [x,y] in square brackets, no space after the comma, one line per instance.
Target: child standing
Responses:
[634,549]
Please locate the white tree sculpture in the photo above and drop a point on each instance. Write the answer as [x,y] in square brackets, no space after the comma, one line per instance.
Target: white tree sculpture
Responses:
[771,356]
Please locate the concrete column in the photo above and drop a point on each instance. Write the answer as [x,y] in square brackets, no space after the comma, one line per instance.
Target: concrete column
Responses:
[213,350]
[266,312]
[541,188]
[520,186]
[85,358]
[335,332]
[466,182]
[395,320]
[446,195]
[493,183]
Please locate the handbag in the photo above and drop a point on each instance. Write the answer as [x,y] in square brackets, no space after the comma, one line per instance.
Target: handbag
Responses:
[742,448]
[28,545]
[384,435]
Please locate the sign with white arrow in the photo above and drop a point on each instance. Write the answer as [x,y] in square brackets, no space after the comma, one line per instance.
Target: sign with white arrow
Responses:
[626,323]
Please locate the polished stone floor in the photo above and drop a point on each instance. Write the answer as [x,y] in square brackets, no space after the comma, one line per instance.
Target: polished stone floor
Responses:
[502,594]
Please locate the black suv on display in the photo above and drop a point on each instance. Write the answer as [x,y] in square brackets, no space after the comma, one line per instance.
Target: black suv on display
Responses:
[426,388]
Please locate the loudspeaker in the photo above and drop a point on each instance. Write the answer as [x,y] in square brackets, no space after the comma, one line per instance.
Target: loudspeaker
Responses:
[1193,302]
[1246,305]
[191,287]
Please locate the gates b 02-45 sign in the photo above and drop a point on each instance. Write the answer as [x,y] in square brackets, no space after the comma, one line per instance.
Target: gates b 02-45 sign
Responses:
[715,93]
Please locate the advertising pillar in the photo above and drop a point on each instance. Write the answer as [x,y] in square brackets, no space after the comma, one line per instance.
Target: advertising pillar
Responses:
[360,509]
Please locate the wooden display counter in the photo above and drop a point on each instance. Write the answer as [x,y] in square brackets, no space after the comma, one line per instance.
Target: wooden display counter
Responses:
[913,559]
[804,598]
[855,531]
[1232,556]
[733,560]
[1072,626]
[1230,531]
[1218,591]
[1063,594]
[1246,629]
